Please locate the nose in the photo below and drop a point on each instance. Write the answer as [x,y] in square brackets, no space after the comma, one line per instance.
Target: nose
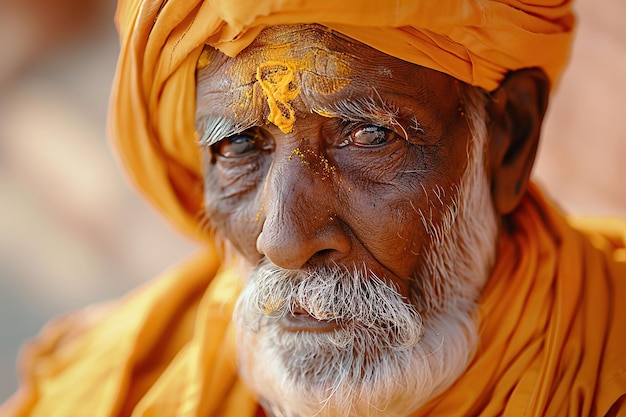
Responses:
[300,224]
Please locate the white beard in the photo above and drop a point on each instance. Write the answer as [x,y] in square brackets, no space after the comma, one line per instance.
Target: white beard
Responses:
[388,357]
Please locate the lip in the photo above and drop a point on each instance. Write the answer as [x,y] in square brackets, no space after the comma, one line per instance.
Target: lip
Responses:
[301,321]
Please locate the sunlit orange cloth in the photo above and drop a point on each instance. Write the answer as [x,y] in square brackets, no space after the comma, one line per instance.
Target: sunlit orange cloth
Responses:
[153,105]
[552,327]
[552,338]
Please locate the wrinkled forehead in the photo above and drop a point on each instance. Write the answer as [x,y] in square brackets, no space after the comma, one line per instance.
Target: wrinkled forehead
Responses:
[310,66]
[300,40]
[312,51]
[305,48]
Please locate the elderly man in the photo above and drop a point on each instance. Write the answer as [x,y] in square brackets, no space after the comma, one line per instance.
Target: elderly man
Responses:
[374,246]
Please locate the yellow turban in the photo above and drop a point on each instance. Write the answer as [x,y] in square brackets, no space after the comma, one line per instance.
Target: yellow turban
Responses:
[153,106]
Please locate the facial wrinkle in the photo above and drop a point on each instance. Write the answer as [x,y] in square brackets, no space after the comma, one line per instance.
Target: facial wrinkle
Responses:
[282,77]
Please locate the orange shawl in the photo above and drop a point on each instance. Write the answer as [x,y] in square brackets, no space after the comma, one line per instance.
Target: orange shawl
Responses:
[552,338]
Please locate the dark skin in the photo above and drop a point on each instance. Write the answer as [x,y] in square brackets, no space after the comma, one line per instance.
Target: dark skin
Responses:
[325,189]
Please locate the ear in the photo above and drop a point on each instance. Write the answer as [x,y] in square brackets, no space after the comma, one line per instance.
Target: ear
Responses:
[516,112]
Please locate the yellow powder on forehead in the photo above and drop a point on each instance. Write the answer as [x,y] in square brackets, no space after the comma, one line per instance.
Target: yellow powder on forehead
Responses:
[280,75]
[277,81]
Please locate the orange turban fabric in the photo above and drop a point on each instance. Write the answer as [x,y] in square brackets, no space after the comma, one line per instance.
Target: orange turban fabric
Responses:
[153,106]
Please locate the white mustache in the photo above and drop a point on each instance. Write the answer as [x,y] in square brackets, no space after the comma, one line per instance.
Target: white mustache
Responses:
[358,300]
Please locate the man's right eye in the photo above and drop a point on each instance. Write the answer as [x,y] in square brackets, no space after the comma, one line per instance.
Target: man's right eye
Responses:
[238,145]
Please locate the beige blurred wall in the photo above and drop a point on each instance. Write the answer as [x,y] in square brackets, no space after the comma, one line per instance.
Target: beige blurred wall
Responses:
[72,232]
[582,157]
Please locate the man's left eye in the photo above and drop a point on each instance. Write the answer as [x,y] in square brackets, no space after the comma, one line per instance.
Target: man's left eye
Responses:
[369,135]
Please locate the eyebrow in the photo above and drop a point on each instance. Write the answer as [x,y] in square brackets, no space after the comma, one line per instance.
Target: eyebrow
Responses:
[372,109]
[216,128]
[367,109]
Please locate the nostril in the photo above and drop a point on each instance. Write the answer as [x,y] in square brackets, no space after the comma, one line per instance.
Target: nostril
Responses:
[324,253]
[325,257]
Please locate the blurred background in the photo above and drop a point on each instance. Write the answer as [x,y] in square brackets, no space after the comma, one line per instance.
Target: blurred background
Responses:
[73,232]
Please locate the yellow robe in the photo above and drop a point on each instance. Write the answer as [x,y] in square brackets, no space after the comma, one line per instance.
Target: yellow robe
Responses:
[551,322]
[552,337]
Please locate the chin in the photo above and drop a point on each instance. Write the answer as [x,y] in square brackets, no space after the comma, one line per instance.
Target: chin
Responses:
[348,372]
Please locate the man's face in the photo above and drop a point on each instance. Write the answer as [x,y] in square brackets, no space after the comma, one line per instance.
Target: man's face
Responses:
[348,178]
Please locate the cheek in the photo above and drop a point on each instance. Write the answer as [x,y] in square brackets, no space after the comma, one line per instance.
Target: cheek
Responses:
[395,219]
[232,204]
[389,227]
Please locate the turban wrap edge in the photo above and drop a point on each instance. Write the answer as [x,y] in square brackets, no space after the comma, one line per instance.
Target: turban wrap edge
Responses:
[153,100]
